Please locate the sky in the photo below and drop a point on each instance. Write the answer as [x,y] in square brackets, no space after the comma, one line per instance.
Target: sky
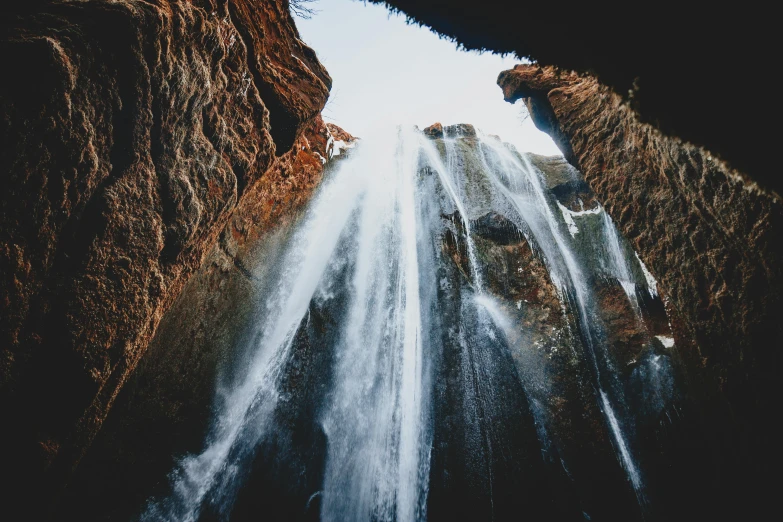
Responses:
[386,72]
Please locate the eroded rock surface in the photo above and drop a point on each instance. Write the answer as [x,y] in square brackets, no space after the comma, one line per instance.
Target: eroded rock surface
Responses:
[167,404]
[131,130]
[711,237]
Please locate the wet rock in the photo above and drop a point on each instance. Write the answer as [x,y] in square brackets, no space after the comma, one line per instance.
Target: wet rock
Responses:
[497,228]
[565,182]
[555,169]
[460,130]
[546,339]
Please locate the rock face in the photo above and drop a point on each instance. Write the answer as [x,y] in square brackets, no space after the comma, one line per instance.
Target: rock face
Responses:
[516,404]
[664,58]
[711,238]
[434,131]
[164,409]
[549,343]
[131,131]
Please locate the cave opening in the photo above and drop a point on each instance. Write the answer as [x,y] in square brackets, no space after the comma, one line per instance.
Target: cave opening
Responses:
[404,303]
[388,72]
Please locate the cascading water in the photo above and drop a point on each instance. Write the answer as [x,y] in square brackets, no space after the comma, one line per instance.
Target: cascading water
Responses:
[520,183]
[377,459]
[432,396]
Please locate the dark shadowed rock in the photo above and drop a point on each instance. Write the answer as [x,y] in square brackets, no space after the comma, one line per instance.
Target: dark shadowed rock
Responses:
[497,228]
[710,236]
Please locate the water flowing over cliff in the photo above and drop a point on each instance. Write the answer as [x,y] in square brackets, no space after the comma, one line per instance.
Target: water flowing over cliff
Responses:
[452,329]
[710,234]
[216,306]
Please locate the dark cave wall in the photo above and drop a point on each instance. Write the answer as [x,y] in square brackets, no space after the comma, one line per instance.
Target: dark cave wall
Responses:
[712,240]
[694,71]
[131,131]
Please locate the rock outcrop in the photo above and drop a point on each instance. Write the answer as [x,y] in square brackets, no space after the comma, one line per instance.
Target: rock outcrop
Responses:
[131,131]
[711,237]
[548,342]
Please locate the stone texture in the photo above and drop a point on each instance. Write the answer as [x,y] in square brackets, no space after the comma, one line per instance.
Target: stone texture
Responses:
[132,130]
[710,236]
[166,406]
[460,130]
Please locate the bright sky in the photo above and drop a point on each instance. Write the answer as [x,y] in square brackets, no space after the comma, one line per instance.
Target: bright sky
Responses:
[386,72]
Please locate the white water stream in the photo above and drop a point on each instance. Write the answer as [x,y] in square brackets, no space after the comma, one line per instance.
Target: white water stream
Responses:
[369,220]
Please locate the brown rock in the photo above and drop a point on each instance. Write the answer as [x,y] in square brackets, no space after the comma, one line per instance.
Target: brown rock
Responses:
[132,132]
[171,391]
[434,131]
[339,134]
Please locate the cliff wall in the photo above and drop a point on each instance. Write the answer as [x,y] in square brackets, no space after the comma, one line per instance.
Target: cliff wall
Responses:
[710,236]
[131,131]
[165,408]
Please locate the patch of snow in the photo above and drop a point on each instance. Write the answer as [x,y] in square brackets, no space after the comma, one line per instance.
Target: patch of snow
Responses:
[666,341]
[597,210]
[335,147]
[339,146]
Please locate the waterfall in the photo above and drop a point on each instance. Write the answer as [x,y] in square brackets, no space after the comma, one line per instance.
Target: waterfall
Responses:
[377,459]
[247,406]
[429,375]
[618,263]
[522,187]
